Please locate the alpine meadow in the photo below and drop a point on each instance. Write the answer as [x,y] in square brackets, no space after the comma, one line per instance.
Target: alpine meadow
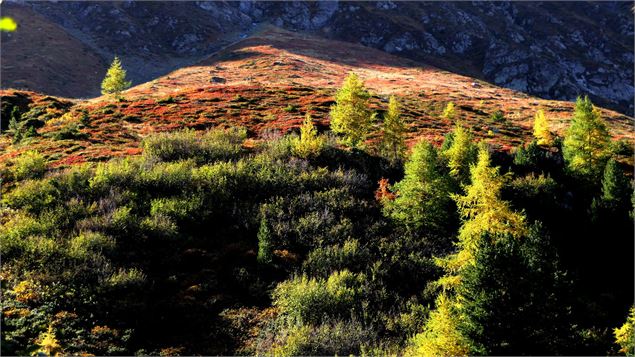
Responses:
[317,178]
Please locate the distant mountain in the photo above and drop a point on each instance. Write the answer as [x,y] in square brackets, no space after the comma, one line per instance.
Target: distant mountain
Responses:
[554,50]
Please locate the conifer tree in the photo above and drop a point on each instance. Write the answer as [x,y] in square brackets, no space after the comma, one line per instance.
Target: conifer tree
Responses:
[461,153]
[483,211]
[15,127]
[586,141]
[615,185]
[351,116]
[115,80]
[265,254]
[441,335]
[423,196]
[625,335]
[393,144]
[309,143]
[449,112]
[541,129]
[514,298]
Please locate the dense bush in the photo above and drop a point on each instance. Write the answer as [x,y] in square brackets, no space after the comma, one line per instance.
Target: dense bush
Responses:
[217,144]
[31,164]
[147,254]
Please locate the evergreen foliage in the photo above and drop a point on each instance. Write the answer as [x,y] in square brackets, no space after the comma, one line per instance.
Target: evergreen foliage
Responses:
[15,125]
[265,250]
[515,297]
[423,196]
[616,187]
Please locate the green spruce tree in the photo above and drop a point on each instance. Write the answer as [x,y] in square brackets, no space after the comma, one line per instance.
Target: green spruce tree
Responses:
[423,196]
[265,250]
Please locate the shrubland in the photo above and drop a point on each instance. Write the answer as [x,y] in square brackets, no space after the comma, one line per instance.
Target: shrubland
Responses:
[207,244]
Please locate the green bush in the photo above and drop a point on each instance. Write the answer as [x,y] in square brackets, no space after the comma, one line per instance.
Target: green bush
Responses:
[213,145]
[124,278]
[497,116]
[307,300]
[323,261]
[29,165]
[179,209]
[33,195]
[88,243]
[332,338]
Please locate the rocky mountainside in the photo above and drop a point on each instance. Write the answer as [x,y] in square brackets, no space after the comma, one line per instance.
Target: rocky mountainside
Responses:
[554,50]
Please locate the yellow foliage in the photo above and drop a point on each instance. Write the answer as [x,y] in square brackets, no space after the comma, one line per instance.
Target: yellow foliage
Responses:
[625,335]
[310,143]
[461,152]
[26,291]
[449,112]
[440,336]
[393,144]
[541,129]
[115,80]
[48,344]
[351,116]
[483,210]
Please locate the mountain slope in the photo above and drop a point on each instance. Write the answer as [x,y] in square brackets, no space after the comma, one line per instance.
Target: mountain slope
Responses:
[268,82]
[554,50]
[46,58]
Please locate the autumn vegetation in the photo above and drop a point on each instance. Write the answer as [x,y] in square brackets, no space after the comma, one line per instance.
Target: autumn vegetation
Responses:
[324,242]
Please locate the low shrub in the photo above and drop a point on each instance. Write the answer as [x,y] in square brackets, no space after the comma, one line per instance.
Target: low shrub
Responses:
[29,165]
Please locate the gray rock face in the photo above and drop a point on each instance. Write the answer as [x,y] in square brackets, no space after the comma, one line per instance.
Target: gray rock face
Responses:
[549,49]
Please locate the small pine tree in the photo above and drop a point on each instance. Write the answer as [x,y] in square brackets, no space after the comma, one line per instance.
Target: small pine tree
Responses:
[351,116]
[115,80]
[461,153]
[48,343]
[586,141]
[15,125]
[541,129]
[615,185]
[449,112]
[423,196]
[265,254]
[393,144]
[309,143]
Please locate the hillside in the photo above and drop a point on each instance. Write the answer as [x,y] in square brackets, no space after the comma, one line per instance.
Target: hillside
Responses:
[270,80]
[551,50]
[186,216]
[55,62]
